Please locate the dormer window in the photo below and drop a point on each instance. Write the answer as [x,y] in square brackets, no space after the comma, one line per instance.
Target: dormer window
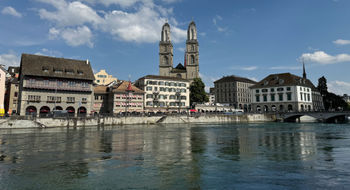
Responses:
[57,70]
[266,82]
[281,81]
[69,71]
[80,72]
[45,69]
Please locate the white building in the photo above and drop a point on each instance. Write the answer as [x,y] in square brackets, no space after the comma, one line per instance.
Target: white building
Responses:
[282,92]
[165,94]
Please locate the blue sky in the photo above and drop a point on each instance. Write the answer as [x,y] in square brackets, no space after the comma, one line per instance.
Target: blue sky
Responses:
[249,38]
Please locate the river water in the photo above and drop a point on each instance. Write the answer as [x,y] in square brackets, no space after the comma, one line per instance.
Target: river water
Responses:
[230,156]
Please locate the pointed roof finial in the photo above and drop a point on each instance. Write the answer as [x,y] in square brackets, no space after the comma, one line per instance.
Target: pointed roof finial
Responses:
[304,73]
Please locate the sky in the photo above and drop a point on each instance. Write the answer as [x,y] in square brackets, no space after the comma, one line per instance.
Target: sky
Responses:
[248,38]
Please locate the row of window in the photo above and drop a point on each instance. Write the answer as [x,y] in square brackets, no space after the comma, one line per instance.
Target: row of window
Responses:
[304,96]
[273,97]
[54,99]
[304,89]
[280,89]
[164,104]
[58,83]
[150,82]
[128,106]
[60,71]
[164,89]
[165,97]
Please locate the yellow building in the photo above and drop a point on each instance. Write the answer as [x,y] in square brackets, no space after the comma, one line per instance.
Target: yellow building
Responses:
[103,78]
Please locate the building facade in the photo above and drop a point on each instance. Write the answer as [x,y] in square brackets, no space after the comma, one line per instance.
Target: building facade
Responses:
[165,94]
[282,92]
[190,69]
[12,89]
[103,78]
[124,97]
[49,83]
[3,76]
[211,96]
[100,100]
[234,91]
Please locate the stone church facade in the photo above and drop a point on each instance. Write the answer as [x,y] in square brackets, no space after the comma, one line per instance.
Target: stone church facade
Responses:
[190,69]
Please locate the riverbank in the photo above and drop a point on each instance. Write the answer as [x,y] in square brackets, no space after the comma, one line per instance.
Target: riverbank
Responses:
[101,121]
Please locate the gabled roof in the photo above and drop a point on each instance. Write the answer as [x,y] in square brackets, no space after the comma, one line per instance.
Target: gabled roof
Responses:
[44,66]
[123,87]
[100,89]
[180,66]
[283,79]
[234,78]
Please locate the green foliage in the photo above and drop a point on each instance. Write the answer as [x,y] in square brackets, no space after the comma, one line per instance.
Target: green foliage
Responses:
[331,101]
[197,92]
[334,102]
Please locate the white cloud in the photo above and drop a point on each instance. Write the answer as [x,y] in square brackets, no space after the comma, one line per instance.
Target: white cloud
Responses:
[48,52]
[323,58]
[9,59]
[216,19]
[70,14]
[122,3]
[11,11]
[339,87]
[73,36]
[208,81]
[181,49]
[249,68]
[341,42]
[143,25]
[286,68]
[253,78]
[79,36]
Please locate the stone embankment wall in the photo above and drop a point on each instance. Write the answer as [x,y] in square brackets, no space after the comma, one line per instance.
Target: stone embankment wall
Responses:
[79,122]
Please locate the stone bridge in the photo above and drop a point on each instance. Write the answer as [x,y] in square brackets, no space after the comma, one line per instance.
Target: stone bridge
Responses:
[329,117]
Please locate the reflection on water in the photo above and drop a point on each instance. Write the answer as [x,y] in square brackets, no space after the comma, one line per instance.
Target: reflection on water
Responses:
[270,155]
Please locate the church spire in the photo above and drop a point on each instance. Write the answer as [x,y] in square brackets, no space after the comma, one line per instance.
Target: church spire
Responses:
[304,73]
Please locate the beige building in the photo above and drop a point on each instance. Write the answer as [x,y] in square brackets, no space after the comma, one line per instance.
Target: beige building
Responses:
[234,91]
[125,97]
[190,69]
[49,83]
[100,100]
[103,78]
[163,94]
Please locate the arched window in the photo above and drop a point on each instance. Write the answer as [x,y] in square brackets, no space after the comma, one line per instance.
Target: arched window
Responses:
[192,34]
[166,35]
[192,59]
[192,48]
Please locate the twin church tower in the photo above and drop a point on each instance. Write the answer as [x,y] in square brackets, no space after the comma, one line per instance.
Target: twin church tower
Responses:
[190,69]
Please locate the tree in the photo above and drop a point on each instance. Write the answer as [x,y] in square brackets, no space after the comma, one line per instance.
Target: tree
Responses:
[197,92]
[331,101]
[322,86]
